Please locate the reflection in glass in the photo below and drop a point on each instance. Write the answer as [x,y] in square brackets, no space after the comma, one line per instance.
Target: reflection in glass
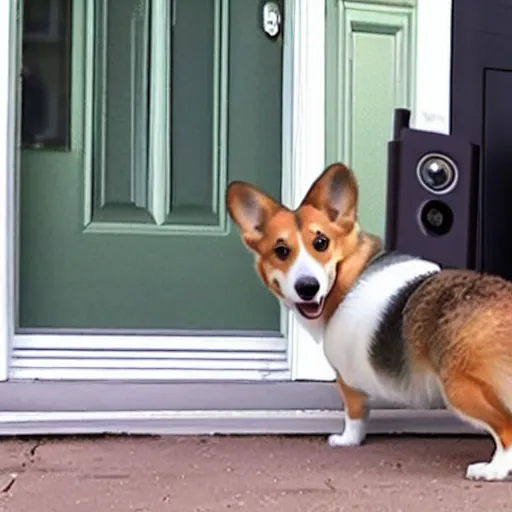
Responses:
[45,73]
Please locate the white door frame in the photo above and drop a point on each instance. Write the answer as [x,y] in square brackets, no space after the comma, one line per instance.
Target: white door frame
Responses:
[7,166]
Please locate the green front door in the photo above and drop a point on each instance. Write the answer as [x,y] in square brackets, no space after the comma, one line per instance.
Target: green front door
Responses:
[123,222]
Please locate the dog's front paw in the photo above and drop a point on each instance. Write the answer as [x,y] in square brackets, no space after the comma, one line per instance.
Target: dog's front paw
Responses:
[335,440]
[353,434]
[490,471]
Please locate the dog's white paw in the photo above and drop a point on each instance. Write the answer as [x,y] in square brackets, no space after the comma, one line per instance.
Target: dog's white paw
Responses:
[353,434]
[335,440]
[490,471]
[498,469]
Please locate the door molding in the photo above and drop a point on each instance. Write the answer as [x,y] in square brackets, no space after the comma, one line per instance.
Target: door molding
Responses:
[158,188]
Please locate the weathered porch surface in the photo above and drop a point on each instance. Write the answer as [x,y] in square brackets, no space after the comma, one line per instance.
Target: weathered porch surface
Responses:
[197,474]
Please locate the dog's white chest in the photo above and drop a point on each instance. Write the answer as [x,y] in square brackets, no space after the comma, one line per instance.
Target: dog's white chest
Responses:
[347,340]
[351,331]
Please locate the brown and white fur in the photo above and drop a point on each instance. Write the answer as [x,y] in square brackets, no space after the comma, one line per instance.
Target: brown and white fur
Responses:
[393,326]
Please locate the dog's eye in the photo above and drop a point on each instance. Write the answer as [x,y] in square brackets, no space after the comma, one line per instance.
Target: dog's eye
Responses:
[282,252]
[320,243]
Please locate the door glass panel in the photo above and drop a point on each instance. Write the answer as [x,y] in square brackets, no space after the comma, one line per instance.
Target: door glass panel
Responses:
[45,74]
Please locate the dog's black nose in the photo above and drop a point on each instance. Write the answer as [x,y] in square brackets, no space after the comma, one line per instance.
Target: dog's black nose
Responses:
[306,287]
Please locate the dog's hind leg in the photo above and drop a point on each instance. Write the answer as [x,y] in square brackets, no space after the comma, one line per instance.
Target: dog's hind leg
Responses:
[478,403]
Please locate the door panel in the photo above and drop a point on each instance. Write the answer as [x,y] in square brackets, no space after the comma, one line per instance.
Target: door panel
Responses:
[127,229]
[370,57]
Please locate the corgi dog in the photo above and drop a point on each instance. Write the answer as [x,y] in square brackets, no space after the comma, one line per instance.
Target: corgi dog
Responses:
[393,326]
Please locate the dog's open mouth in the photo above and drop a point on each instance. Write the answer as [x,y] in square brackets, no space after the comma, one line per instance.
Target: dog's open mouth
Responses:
[310,310]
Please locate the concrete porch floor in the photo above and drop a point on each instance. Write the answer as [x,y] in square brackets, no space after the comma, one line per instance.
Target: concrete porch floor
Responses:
[210,474]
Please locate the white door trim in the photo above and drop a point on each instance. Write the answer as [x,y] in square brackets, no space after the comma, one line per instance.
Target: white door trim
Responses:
[85,407]
[9,75]
[307,150]
[303,159]
[433,66]
[431,111]
[390,421]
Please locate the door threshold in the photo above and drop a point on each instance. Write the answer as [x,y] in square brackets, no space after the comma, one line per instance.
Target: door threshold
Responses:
[225,422]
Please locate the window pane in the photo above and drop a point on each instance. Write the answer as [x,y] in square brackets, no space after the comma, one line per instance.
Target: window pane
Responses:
[45,73]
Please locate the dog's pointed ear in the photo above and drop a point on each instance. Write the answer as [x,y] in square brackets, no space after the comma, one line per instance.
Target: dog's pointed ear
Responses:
[250,209]
[335,193]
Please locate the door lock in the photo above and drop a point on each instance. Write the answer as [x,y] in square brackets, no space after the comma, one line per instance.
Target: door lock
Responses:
[272,18]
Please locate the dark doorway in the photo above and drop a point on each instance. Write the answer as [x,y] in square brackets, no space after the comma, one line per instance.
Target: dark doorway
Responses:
[481,110]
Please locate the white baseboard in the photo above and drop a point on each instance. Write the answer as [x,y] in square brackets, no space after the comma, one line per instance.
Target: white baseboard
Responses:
[259,422]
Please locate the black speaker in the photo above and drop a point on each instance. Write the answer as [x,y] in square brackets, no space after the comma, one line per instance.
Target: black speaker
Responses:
[432,195]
